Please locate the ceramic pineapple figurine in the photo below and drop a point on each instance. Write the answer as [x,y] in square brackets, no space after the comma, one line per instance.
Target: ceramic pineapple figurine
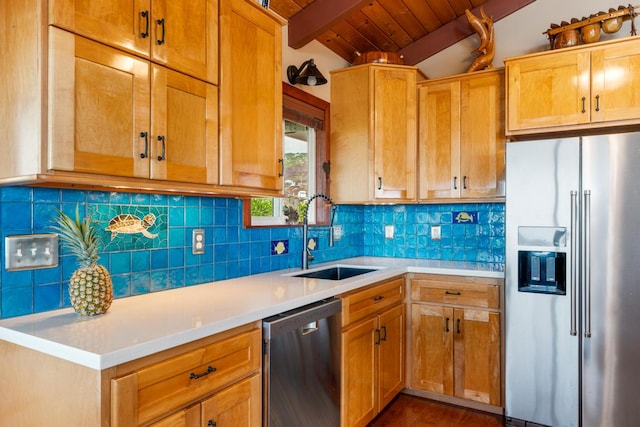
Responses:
[90,287]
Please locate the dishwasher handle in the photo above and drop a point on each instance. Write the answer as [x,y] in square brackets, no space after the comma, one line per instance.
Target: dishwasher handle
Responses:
[310,328]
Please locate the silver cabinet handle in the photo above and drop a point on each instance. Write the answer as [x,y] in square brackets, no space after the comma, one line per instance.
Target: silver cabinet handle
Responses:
[572,272]
[587,263]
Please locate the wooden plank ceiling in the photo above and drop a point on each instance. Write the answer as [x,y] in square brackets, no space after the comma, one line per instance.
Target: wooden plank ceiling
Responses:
[416,29]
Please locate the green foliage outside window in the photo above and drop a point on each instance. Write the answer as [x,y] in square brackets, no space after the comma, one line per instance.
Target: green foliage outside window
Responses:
[262,207]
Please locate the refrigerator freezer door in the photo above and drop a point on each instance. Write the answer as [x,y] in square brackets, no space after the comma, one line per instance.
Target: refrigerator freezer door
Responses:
[611,364]
[541,354]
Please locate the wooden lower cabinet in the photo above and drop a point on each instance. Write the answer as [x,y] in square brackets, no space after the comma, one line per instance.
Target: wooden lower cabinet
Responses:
[372,352]
[456,338]
[204,375]
[217,379]
[238,405]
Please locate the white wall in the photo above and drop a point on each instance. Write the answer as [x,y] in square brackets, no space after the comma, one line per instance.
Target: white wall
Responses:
[324,59]
[517,34]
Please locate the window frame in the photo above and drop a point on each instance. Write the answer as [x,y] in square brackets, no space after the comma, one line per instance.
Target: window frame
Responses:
[300,106]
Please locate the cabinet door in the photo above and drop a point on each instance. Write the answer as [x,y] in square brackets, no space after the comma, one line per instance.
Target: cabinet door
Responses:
[548,90]
[250,97]
[359,374]
[432,346]
[477,355]
[119,23]
[239,405]
[98,106]
[439,140]
[615,85]
[189,417]
[184,36]
[184,119]
[391,377]
[394,122]
[482,140]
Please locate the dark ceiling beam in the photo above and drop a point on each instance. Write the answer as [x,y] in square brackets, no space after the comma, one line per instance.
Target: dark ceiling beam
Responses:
[456,30]
[318,17]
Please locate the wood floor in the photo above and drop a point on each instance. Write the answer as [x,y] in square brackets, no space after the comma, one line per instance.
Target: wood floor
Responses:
[411,411]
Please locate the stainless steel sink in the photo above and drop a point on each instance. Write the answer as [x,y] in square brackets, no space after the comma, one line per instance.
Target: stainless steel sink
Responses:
[335,273]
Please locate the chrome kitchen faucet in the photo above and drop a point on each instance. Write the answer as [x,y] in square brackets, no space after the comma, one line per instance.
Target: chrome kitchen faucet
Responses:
[306,254]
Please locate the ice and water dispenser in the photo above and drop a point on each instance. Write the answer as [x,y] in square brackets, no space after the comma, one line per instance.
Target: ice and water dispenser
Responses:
[542,270]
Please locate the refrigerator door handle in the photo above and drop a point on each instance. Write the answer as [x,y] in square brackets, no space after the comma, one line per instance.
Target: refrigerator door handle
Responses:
[574,264]
[587,263]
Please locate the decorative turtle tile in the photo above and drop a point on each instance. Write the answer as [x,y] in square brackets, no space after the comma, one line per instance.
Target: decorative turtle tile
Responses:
[126,227]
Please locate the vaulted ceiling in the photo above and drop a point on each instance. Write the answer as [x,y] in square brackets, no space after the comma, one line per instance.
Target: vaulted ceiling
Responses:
[415,29]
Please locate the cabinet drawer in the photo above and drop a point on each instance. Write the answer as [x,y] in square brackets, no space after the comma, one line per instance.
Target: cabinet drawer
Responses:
[471,291]
[362,303]
[162,387]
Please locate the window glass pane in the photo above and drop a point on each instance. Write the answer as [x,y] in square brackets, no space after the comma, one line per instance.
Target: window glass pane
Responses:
[299,176]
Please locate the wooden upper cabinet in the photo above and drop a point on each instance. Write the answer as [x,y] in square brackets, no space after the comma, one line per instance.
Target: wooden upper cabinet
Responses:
[439,140]
[114,114]
[250,97]
[181,35]
[461,139]
[551,90]
[589,86]
[184,123]
[373,133]
[99,107]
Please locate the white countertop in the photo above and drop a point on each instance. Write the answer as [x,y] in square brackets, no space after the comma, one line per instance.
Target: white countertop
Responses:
[145,324]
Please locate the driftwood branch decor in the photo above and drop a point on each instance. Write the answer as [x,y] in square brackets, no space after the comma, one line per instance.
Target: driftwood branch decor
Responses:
[484,27]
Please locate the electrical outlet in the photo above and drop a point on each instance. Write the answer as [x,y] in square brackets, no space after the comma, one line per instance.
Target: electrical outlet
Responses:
[388,232]
[435,232]
[337,232]
[197,242]
[30,251]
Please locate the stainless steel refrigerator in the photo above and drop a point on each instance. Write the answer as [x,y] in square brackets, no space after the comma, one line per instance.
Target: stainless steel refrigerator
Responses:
[573,282]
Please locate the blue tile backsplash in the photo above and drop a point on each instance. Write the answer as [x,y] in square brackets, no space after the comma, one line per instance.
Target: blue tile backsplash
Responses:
[140,264]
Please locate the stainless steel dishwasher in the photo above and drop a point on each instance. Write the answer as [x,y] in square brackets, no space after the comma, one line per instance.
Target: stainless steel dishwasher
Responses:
[302,366]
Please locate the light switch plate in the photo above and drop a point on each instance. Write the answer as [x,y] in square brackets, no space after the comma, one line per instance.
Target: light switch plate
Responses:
[30,251]
[435,232]
[388,232]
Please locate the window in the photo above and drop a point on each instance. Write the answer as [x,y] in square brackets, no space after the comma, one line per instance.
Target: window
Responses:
[306,166]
